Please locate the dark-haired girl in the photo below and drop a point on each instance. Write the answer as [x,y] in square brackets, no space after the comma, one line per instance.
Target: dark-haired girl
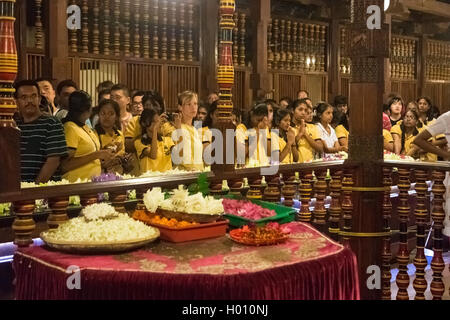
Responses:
[110,136]
[405,133]
[85,153]
[323,119]
[395,105]
[341,126]
[153,150]
[288,152]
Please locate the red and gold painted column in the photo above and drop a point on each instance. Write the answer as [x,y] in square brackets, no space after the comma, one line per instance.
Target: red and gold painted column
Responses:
[9,135]
[8,62]
[225,79]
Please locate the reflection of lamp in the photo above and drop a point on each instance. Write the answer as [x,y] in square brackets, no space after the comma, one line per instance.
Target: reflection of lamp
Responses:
[395,8]
[386,4]
[308,61]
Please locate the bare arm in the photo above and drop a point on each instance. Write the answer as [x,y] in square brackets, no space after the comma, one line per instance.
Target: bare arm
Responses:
[389,146]
[422,142]
[343,142]
[129,145]
[335,149]
[316,145]
[152,152]
[48,169]
[397,143]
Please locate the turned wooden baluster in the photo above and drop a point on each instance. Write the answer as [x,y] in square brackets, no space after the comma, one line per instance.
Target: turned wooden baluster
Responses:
[38,26]
[85,27]
[146,31]
[272,192]
[347,206]
[294,46]
[137,29]
[181,43]
[335,207]
[173,28]
[301,46]
[386,253]
[242,19]
[190,42]
[305,191]
[73,41]
[255,188]
[288,45]
[24,224]
[288,189]
[164,9]
[320,188]
[88,199]
[95,28]
[116,42]
[59,211]
[106,28]
[276,49]
[126,26]
[421,213]
[155,37]
[438,215]
[118,201]
[282,44]
[403,253]
[236,187]
[322,48]
[236,39]
[140,199]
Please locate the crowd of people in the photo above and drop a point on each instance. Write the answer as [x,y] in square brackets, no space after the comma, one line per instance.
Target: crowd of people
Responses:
[131,132]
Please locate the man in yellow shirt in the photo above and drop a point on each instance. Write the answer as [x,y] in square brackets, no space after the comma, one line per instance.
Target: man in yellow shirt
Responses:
[307,136]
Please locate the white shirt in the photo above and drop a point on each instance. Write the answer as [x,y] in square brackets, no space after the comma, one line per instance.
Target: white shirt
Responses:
[330,139]
[441,126]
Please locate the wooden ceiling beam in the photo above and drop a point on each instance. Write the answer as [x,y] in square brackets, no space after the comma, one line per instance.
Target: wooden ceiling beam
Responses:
[433,7]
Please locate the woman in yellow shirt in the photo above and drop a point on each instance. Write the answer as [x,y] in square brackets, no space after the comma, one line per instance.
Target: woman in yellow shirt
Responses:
[341,126]
[405,133]
[189,145]
[388,141]
[110,136]
[153,150]
[288,152]
[85,154]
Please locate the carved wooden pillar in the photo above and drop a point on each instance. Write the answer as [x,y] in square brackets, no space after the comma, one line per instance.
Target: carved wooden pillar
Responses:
[118,201]
[335,207]
[320,188]
[164,10]
[438,215]
[403,253]
[173,30]
[420,261]
[294,46]
[116,42]
[305,196]
[137,29]
[301,40]
[38,26]
[155,38]
[369,51]
[270,56]
[85,27]
[386,253]
[181,42]
[106,28]
[260,79]
[235,39]
[95,28]
[276,50]
[288,45]
[126,25]
[24,225]
[9,135]
[242,31]
[59,211]
[282,44]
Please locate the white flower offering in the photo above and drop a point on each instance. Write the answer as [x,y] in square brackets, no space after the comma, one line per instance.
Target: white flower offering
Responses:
[121,228]
[99,211]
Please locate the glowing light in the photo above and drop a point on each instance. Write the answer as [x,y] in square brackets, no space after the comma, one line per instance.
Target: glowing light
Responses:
[387,3]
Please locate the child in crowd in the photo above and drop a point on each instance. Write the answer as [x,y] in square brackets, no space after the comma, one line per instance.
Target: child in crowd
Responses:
[153,150]
[288,152]
[323,119]
[405,133]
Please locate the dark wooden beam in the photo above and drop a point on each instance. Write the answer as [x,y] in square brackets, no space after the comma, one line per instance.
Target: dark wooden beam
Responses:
[334,53]
[57,48]
[260,17]
[208,46]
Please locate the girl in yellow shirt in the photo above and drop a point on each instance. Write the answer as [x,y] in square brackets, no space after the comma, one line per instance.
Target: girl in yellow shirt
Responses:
[110,136]
[288,152]
[341,126]
[153,150]
[85,154]
[405,133]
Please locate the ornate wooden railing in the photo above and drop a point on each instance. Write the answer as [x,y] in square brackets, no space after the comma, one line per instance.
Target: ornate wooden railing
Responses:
[331,210]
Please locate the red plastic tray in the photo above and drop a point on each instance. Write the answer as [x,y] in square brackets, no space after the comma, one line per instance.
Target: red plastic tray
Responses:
[197,232]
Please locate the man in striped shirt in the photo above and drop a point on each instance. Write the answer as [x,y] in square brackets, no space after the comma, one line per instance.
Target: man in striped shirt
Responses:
[43,143]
